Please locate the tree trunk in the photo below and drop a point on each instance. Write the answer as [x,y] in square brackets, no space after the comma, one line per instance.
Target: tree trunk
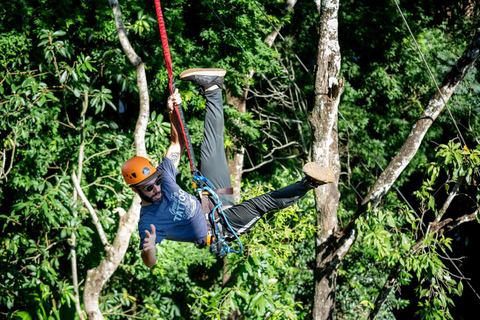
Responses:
[328,90]
[115,252]
[142,86]
[236,156]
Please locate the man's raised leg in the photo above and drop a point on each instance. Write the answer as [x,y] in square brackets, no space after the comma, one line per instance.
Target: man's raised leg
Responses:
[213,161]
[242,217]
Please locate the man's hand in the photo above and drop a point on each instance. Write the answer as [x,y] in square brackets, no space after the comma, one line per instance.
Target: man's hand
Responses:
[174,151]
[174,99]
[148,251]
[149,241]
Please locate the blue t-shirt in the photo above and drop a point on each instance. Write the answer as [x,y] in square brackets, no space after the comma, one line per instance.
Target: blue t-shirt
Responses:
[178,216]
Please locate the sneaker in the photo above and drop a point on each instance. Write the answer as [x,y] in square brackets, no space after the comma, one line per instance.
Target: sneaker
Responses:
[204,78]
[316,176]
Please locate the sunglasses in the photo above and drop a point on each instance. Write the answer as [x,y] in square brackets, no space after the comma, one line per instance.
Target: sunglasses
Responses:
[157,182]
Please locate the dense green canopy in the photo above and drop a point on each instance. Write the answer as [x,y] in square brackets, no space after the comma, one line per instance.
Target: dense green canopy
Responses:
[67,92]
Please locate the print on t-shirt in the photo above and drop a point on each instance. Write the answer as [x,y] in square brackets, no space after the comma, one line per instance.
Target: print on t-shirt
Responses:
[183,207]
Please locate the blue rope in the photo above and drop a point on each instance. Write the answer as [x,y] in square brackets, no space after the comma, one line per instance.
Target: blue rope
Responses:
[224,248]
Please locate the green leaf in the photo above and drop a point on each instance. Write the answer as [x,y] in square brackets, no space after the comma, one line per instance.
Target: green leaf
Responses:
[23,315]
[431,202]
[32,267]
[31,250]
[74,75]
[42,100]
[460,288]
[63,78]
[59,33]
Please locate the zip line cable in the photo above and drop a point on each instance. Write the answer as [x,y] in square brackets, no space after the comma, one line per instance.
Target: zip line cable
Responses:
[360,140]
[451,116]
[380,166]
[430,72]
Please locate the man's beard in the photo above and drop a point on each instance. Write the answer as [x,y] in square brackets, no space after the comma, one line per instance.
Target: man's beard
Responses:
[146,198]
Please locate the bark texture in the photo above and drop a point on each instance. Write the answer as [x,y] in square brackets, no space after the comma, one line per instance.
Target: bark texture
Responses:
[137,62]
[98,276]
[236,155]
[328,90]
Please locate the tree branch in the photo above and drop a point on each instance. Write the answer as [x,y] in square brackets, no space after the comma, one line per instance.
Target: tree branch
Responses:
[98,276]
[453,224]
[420,128]
[96,222]
[73,237]
[434,225]
[3,157]
[137,62]
[293,156]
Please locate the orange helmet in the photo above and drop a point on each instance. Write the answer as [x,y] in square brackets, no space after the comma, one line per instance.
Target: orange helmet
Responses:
[137,170]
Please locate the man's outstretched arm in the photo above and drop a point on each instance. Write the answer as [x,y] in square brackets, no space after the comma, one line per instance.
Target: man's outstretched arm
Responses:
[177,144]
[149,256]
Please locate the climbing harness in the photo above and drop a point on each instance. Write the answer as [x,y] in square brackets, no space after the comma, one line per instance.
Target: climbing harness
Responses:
[216,238]
[212,207]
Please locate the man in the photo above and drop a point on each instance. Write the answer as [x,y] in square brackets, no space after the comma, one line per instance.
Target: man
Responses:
[170,213]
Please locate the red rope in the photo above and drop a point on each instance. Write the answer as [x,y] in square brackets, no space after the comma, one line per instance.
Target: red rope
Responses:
[166,48]
[171,84]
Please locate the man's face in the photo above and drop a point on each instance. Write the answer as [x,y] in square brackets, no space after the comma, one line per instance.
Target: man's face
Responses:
[151,193]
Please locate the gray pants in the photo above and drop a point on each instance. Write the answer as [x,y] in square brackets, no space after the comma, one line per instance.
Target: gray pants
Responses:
[213,166]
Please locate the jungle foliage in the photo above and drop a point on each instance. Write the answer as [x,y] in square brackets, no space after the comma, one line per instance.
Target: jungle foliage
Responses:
[65,81]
